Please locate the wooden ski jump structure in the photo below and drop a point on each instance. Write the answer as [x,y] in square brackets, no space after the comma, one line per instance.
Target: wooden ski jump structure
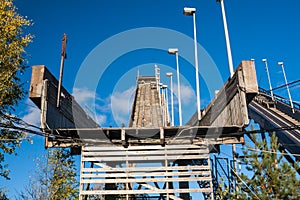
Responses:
[149,157]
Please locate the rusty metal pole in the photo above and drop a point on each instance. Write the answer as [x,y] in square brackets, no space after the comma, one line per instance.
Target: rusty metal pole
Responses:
[63,56]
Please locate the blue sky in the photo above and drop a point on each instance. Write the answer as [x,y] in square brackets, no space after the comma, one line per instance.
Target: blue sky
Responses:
[258,29]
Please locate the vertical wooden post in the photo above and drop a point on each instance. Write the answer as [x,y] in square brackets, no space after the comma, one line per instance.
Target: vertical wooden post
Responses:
[162,136]
[44,103]
[166,166]
[123,137]
[81,185]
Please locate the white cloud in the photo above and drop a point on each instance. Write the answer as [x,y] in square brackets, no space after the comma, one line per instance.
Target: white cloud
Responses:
[187,93]
[118,104]
[86,97]
[83,95]
[32,114]
[100,119]
[121,103]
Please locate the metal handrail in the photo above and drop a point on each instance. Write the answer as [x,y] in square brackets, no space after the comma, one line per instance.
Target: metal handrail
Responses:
[278,98]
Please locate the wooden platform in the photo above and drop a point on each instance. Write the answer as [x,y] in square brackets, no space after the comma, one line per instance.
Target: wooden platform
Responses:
[70,126]
[150,136]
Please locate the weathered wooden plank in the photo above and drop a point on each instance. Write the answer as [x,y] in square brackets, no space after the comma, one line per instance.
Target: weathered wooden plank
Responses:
[145,147]
[145,174]
[143,180]
[144,153]
[146,104]
[229,107]
[145,169]
[144,158]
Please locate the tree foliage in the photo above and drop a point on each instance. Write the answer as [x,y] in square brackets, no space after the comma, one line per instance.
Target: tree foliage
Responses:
[3,194]
[267,175]
[13,41]
[55,178]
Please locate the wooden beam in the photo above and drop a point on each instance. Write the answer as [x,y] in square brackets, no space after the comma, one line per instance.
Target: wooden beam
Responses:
[104,168]
[144,174]
[229,107]
[160,191]
[69,115]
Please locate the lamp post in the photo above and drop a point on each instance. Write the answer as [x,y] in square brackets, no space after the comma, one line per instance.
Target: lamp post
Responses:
[160,93]
[230,62]
[169,74]
[166,102]
[157,78]
[287,86]
[175,51]
[269,79]
[192,12]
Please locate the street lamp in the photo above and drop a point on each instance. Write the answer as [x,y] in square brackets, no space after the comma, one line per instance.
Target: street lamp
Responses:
[269,79]
[175,51]
[169,74]
[192,12]
[157,78]
[230,62]
[287,86]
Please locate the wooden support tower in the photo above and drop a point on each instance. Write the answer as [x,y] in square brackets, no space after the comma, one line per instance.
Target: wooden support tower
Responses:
[145,171]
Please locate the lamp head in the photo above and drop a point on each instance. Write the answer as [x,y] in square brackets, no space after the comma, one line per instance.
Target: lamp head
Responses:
[169,74]
[173,51]
[280,63]
[264,60]
[164,86]
[189,11]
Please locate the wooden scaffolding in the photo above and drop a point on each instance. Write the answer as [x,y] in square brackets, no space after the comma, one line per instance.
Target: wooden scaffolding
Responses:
[145,172]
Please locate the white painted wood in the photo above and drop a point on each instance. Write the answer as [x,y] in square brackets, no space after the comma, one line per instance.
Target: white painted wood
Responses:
[144,153]
[144,158]
[145,174]
[144,169]
[106,172]
[157,191]
[142,147]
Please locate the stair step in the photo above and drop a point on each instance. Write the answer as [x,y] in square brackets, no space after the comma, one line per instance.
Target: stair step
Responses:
[286,116]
